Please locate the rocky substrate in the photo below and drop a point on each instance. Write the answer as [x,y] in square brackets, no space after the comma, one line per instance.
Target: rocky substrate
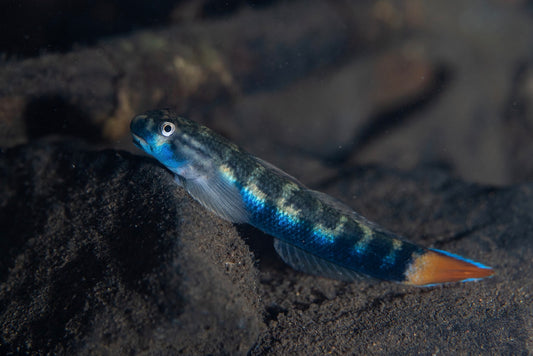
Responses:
[102,253]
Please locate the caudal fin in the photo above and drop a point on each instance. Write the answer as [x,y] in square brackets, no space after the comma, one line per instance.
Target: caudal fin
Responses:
[436,266]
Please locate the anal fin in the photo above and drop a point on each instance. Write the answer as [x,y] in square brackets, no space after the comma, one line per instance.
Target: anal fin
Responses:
[308,263]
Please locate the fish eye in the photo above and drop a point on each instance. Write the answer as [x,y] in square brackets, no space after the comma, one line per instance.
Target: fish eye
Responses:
[167,128]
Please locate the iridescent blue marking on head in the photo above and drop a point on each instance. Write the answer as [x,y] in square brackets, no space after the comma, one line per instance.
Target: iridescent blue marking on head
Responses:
[157,136]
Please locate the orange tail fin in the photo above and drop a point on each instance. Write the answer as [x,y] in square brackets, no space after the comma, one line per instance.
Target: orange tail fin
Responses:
[435,267]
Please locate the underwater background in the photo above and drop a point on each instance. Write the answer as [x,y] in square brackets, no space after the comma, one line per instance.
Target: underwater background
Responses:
[418,115]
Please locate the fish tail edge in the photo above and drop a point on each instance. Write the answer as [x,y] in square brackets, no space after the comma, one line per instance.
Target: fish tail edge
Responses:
[437,267]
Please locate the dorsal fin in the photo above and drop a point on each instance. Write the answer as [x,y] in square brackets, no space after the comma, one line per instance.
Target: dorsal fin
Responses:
[311,264]
[345,209]
[278,171]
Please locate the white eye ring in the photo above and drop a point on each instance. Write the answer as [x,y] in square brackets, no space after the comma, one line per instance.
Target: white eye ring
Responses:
[167,128]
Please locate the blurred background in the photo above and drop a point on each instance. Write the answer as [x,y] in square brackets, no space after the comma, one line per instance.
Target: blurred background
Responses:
[377,103]
[311,86]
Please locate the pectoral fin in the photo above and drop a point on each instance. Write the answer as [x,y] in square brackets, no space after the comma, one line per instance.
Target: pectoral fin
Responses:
[217,195]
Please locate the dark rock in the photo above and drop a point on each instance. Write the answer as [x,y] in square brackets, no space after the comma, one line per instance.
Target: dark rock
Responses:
[102,253]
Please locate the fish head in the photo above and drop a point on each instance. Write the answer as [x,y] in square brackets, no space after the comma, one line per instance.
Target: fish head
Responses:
[164,135]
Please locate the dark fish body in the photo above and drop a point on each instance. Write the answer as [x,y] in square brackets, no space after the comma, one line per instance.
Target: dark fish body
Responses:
[313,232]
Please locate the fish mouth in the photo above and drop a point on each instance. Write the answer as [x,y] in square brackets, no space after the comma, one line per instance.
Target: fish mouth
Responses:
[139,142]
